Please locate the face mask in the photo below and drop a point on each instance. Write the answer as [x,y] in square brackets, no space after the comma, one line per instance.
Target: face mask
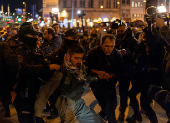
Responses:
[30,41]
[70,42]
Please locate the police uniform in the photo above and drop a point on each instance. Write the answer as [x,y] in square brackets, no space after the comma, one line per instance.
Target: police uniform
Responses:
[33,68]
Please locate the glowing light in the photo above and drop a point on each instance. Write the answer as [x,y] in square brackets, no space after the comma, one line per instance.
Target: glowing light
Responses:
[101,7]
[79,12]
[161,9]
[106,19]
[55,10]
[118,2]
[91,24]
[23,2]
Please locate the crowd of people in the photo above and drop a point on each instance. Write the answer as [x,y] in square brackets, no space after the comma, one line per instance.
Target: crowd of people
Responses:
[48,67]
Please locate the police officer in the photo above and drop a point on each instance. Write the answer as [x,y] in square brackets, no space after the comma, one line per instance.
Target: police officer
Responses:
[127,45]
[33,68]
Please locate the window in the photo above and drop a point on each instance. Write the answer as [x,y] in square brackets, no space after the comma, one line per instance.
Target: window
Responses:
[135,15]
[90,3]
[100,3]
[138,15]
[115,5]
[75,3]
[108,4]
[138,4]
[123,1]
[127,12]
[141,15]
[128,1]
[82,3]
[132,15]
[123,12]
[133,4]
[64,3]
[141,4]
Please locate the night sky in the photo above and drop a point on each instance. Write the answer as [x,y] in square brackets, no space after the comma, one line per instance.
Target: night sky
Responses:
[19,4]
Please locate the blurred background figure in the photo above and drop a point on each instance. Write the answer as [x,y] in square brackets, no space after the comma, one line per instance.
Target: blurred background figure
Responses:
[13,31]
[63,30]
[36,26]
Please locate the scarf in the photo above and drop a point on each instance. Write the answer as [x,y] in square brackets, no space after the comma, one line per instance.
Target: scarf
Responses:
[79,73]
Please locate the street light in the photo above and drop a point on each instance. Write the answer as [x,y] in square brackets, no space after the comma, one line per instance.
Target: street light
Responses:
[101,7]
[79,12]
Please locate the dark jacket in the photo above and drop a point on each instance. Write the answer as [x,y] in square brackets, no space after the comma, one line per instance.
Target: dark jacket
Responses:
[111,64]
[60,37]
[33,69]
[49,46]
[166,70]
[130,44]
[9,68]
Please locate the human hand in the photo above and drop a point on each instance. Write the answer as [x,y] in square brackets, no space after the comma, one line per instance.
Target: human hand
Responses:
[13,95]
[141,23]
[123,52]
[54,67]
[160,22]
[101,74]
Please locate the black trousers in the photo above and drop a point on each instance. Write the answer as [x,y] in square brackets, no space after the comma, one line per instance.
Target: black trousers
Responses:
[124,83]
[25,109]
[140,84]
[106,96]
[144,102]
[5,99]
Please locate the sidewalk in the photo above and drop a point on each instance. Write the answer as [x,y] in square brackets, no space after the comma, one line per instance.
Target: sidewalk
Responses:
[93,103]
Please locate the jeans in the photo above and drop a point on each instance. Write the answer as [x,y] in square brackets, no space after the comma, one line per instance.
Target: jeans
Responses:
[76,111]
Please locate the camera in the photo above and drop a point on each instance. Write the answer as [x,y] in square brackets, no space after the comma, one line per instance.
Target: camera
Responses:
[116,24]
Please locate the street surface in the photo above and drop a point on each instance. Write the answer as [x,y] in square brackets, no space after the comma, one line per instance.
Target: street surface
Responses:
[92,102]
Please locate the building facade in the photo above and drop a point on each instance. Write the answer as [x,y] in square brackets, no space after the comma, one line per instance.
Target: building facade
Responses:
[96,11]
